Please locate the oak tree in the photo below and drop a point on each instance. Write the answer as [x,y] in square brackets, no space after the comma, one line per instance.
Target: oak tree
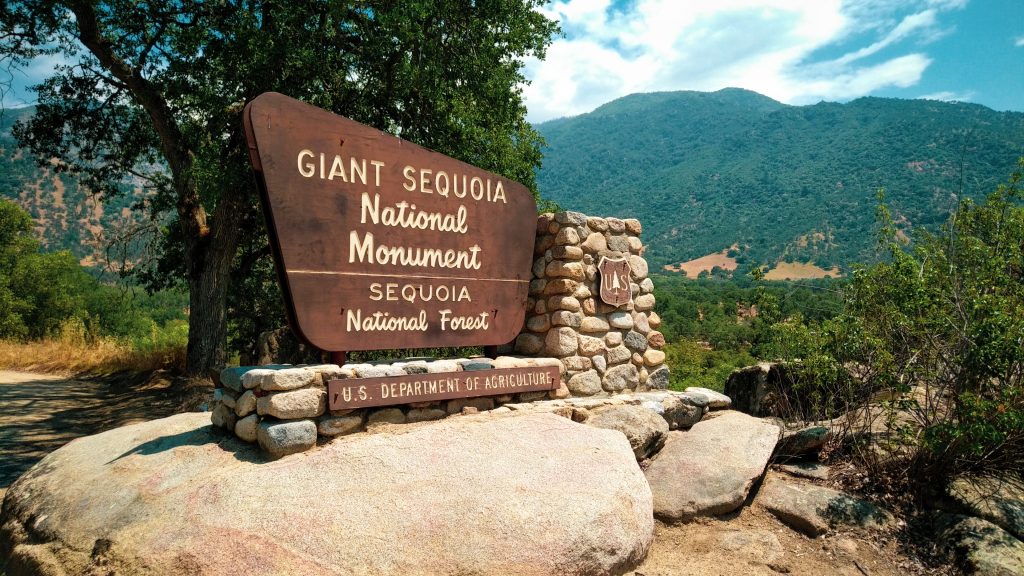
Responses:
[151,94]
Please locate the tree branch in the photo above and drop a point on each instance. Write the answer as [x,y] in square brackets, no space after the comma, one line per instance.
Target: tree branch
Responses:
[179,157]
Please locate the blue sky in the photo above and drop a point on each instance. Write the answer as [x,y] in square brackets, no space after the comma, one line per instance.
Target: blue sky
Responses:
[796,51]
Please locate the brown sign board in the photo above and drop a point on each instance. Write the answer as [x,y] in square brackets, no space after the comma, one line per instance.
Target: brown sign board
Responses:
[386,391]
[615,287]
[380,243]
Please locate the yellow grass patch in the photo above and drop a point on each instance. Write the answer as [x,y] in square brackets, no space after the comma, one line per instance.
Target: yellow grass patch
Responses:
[100,356]
[800,271]
[694,267]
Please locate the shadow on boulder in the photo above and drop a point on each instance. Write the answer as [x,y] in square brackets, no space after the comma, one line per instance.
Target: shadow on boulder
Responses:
[242,451]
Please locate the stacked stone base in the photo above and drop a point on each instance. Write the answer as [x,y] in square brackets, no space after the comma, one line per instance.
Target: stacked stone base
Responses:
[284,408]
[605,349]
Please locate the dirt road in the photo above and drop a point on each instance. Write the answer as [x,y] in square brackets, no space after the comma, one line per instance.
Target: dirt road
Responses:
[40,413]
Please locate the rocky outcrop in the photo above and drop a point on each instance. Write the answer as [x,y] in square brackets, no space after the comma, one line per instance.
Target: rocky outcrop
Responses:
[814,509]
[709,470]
[982,547]
[997,499]
[754,389]
[535,494]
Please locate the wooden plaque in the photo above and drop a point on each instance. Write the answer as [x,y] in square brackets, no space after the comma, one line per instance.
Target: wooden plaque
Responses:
[615,287]
[380,243]
[386,391]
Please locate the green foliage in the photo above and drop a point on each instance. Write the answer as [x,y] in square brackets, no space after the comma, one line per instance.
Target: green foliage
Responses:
[37,290]
[714,326]
[731,314]
[49,295]
[155,93]
[166,341]
[132,314]
[935,335]
[819,385]
[52,287]
[693,363]
[705,171]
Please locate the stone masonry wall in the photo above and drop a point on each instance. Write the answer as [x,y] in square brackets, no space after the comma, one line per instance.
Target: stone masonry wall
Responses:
[284,408]
[604,349]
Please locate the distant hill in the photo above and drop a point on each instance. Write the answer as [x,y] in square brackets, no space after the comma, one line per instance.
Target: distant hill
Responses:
[737,173]
[67,216]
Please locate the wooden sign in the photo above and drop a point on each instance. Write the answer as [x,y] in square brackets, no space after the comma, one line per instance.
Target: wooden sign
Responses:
[615,288]
[380,243]
[367,392]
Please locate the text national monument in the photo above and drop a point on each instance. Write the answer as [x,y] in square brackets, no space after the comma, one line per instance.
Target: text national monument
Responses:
[381,244]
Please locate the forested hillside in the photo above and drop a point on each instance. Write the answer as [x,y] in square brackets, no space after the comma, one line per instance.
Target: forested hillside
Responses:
[66,215]
[706,172]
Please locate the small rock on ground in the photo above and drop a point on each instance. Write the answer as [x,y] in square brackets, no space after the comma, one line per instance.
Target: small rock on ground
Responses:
[644,428]
[716,400]
[801,442]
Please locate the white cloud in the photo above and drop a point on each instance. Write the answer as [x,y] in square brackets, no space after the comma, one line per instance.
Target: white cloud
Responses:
[947,96]
[906,27]
[775,47]
[1019,42]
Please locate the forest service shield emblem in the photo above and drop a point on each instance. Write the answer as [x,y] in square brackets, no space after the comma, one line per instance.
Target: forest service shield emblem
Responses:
[615,290]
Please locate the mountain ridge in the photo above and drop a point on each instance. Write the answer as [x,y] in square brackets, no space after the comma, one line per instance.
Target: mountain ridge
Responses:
[102,232]
[706,170]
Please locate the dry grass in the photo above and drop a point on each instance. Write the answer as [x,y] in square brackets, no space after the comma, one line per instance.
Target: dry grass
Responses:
[800,271]
[694,267]
[96,356]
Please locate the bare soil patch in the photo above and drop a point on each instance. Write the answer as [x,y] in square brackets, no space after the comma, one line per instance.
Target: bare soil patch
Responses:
[694,267]
[752,542]
[800,271]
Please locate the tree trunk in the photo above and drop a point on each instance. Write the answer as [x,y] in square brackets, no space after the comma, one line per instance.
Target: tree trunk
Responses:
[207,320]
[209,256]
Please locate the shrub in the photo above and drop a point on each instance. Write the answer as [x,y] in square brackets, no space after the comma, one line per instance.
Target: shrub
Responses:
[932,342]
[695,363]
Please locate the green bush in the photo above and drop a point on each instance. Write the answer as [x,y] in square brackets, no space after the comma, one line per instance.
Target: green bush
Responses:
[695,363]
[166,343]
[38,290]
[934,337]
[48,295]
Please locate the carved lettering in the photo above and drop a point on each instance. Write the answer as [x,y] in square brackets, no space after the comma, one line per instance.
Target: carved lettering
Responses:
[384,321]
[367,250]
[356,167]
[404,215]
[365,392]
